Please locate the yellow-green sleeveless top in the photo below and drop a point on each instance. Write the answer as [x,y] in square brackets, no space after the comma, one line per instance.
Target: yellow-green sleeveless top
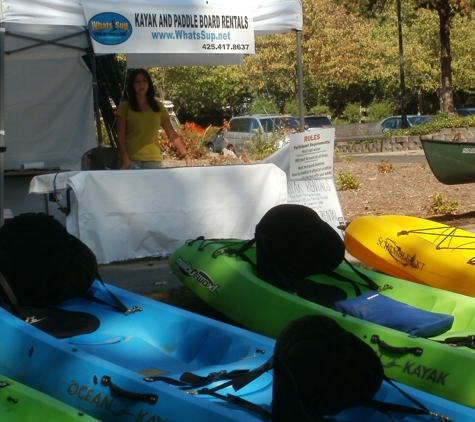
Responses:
[141,134]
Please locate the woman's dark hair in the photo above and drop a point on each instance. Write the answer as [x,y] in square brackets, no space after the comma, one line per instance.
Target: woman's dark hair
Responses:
[132,97]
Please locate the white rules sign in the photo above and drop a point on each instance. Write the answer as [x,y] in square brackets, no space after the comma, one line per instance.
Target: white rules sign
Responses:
[311,154]
[311,175]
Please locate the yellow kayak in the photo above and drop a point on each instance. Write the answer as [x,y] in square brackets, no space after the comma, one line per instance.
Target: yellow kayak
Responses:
[415,249]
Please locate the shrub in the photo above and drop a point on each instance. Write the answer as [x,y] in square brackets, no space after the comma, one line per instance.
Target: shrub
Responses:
[378,111]
[194,141]
[442,206]
[385,166]
[347,181]
[352,113]
[320,110]
[292,107]
[261,147]
[441,121]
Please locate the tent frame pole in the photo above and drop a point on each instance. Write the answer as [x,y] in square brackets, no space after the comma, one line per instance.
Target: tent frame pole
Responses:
[95,94]
[2,123]
[300,80]
[40,42]
[95,91]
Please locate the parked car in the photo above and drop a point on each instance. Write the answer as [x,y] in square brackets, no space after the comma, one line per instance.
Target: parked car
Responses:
[246,128]
[395,122]
[465,111]
[317,122]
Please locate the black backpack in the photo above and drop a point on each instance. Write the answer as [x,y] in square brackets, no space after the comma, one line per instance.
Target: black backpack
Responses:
[43,263]
[293,243]
[319,369]
[101,158]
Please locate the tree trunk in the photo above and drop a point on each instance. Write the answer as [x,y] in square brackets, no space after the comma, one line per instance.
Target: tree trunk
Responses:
[446,93]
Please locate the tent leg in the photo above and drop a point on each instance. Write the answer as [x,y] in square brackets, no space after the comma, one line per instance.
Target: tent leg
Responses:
[300,81]
[95,89]
[2,123]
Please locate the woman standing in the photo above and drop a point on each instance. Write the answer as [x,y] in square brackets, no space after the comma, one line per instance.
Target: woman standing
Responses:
[138,122]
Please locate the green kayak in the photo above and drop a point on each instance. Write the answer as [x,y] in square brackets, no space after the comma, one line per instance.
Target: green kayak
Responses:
[19,403]
[451,162]
[441,365]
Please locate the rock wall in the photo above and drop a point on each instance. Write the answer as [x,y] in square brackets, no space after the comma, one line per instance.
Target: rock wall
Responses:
[351,130]
[403,143]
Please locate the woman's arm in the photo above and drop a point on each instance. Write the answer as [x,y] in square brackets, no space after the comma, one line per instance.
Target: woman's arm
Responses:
[177,141]
[120,125]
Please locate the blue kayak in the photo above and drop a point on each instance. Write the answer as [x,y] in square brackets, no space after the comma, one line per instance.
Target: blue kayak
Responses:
[125,369]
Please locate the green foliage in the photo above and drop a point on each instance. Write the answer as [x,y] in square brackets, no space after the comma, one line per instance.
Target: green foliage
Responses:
[272,72]
[445,10]
[262,146]
[442,206]
[379,110]
[441,121]
[347,181]
[292,107]
[320,110]
[206,95]
[338,121]
[352,113]
[194,141]
[262,106]
[463,50]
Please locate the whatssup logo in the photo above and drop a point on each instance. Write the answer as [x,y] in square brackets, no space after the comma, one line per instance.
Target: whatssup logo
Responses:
[109,28]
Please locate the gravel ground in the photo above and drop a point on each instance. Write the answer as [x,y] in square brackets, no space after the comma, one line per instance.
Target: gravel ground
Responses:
[401,188]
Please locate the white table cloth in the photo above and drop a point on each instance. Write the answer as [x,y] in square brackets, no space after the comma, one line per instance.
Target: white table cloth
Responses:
[132,214]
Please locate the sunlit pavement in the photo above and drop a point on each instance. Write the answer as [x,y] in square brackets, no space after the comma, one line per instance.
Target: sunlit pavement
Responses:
[409,156]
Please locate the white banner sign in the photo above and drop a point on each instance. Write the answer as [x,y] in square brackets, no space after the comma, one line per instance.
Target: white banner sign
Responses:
[311,154]
[311,175]
[321,196]
[170,29]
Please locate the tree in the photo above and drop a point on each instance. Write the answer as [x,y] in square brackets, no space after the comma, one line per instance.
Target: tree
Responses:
[272,71]
[420,58]
[446,10]
[463,65]
[207,94]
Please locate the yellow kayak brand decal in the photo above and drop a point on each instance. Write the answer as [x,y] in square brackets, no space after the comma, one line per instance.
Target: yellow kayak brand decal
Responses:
[200,276]
[397,253]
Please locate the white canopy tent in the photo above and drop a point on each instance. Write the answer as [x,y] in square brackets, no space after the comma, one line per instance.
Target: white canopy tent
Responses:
[46,90]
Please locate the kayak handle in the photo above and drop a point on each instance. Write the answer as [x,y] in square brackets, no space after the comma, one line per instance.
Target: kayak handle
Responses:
[147,398]
[416,351]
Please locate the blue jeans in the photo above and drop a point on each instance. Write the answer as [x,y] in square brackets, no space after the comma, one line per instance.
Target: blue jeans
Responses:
[146,164]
